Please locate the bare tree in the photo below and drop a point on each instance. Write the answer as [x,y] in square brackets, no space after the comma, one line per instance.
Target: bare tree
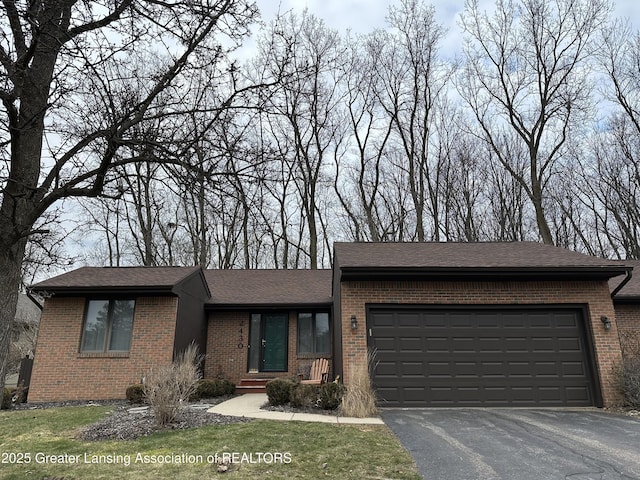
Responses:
[143,205]
[304,107]
[617,163]
[507,196]
[465,184]
[526,74]
[358,183]
[65,83]
[102,218]
[412,82]
[613,182]
[620,58]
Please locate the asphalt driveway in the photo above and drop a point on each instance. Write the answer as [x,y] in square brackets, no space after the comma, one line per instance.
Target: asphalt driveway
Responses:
[482,444]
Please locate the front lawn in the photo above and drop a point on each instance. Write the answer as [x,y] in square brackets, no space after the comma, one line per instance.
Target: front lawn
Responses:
[39,444]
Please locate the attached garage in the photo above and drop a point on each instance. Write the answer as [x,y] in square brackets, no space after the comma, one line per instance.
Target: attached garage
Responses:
[481,356]
[478,324]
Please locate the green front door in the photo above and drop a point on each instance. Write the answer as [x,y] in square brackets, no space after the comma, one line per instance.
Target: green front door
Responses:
[274,342]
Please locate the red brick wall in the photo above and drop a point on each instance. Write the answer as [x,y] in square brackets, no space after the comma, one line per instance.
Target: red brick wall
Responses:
[226,360]
[595,295]
[60,372]
[628,320]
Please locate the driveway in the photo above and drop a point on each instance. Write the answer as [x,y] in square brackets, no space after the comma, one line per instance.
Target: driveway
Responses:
[539,444]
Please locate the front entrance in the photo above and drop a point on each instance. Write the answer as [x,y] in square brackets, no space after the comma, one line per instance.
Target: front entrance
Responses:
[268,342]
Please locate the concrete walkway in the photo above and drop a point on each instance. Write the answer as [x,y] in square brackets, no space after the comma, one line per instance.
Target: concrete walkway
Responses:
[248,405]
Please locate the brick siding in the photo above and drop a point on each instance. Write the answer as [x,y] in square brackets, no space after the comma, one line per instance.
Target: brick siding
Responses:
[60,372]
[356,295]
[228,353]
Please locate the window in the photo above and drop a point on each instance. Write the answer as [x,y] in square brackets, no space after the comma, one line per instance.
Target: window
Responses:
[108,325]
[313,333]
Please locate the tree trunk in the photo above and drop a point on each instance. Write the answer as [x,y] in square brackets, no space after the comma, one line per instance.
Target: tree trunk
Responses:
[417,195]
[19,209]
[10,262]
[543,226]
[313,234]
[536,199]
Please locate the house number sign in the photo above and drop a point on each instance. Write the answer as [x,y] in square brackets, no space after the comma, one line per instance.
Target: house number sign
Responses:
[241,337]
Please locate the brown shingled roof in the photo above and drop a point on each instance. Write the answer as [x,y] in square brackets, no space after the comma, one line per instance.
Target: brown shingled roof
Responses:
[630,291]
[236,288]
[463,255]
[269,287]
[228,287]
[116,278]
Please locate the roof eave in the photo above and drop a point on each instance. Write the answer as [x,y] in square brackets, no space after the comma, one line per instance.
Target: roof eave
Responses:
[626,299]
[106,290]
[235,307]
[482,273]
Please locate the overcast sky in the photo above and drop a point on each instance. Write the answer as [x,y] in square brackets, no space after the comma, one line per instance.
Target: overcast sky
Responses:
[362,16]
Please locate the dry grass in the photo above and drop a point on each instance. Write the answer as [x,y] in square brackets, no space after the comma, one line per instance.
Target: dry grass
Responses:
[630,343]
[360,400]
[168,387]
[317,450]
[627,380]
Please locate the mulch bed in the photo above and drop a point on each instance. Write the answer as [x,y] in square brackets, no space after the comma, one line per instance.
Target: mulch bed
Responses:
[289,409]
[122,424]
[127,422]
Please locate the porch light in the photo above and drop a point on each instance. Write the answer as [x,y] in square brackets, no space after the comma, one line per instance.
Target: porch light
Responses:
[354,322]
[607,323]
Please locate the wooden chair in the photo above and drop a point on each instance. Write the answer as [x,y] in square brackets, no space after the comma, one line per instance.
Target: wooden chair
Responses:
[319,372]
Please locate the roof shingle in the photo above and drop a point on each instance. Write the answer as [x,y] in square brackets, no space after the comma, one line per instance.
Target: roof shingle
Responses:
[117,278]
[453,255]
[314,287]
[269,287]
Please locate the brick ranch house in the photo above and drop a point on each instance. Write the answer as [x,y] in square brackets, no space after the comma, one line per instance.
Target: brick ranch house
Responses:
[452,324]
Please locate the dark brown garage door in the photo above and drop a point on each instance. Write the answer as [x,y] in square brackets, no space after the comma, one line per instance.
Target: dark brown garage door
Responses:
[480,357]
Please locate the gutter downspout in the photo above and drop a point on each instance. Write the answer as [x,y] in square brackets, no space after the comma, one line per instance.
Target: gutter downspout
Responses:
[34,300]
[626,279]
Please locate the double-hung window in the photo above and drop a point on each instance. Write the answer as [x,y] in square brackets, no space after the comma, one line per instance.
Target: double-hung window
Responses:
[313,333]
[107,326]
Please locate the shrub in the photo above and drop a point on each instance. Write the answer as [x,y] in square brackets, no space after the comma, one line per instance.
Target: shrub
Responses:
[330,395]
[7,395]
[135,393]
[359,399]
[229,388]
[11,396]
[213,388]
[627,380]
[167,387]
[630,343]
[303,395]
[279,391]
